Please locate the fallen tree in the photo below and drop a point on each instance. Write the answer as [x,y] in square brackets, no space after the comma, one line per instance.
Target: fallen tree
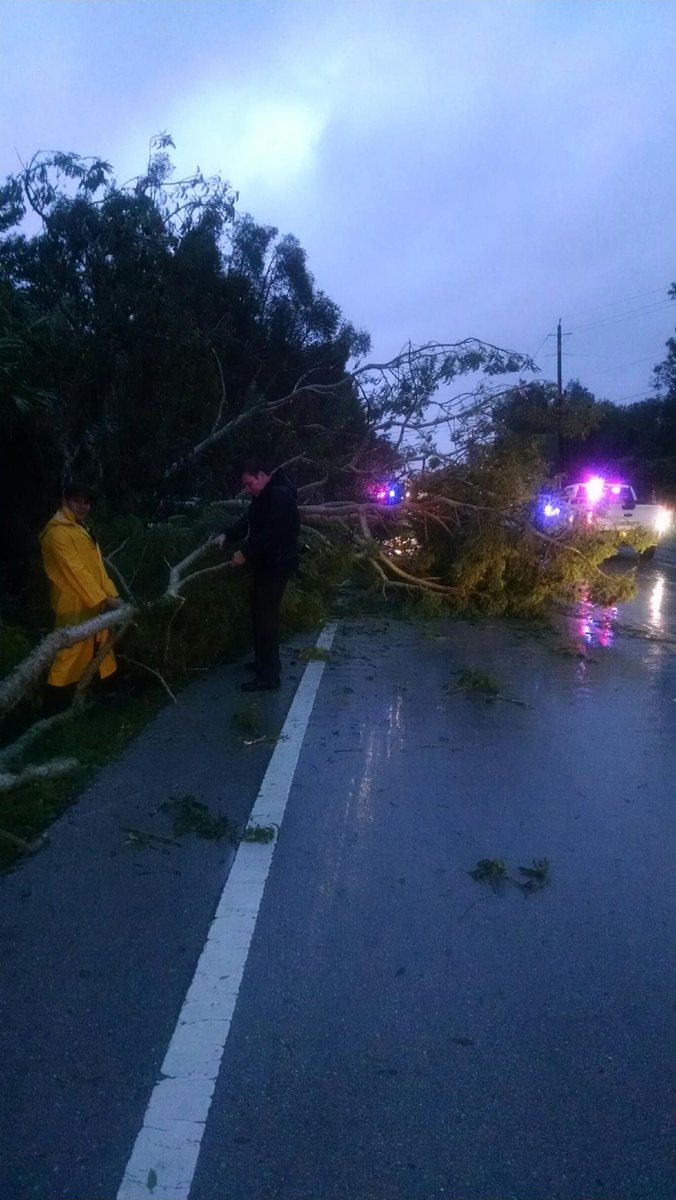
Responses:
[463,539]
[246,354]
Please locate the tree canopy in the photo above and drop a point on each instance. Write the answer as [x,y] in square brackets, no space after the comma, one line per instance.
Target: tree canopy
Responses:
[153,314]
[152,335]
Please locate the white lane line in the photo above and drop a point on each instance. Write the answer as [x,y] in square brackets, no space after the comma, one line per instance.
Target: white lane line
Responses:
[164,1157]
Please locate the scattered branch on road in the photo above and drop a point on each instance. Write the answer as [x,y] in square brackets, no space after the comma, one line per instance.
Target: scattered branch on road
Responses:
[479,684]
[259,833]
[493,871]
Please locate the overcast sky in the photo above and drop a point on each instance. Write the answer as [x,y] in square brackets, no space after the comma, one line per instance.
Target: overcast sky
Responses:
[454,168]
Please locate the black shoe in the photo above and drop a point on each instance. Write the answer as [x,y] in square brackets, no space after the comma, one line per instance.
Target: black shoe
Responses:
[261,685]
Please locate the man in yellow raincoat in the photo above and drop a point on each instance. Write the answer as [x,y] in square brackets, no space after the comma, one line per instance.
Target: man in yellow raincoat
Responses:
[81,587]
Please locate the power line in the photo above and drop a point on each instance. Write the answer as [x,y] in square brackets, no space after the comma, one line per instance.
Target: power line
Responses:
[636,396]
[547,335]
[636,312]
[642,310]
[621,366]
[614,303]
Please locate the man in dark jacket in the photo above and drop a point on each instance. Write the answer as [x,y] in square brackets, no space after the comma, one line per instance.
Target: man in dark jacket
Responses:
[270,548]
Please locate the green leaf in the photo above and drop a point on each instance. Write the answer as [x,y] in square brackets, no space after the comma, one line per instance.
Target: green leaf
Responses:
[151,1181]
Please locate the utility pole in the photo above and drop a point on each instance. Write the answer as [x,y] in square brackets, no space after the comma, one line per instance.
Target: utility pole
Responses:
[558,400]
[559,383]
[559,370]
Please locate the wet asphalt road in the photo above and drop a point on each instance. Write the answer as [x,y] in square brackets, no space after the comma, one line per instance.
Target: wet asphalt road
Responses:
[402,1031]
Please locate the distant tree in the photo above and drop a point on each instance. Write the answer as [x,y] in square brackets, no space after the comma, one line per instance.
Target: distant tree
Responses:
[640,439]
[664,379]
[664,374]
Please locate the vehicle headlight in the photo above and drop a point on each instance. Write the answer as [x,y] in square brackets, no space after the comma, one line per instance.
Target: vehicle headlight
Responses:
[663,520]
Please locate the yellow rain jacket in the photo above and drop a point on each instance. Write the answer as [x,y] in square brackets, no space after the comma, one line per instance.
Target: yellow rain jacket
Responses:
[74,566]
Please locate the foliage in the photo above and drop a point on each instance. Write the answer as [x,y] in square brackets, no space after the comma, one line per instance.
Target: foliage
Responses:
[259,833]
[14,646]
[24,341]
[314,654]
[493,871]
[537,411]
[664,374]
[192,816]
[490,870]
[211,619]
[248,720]
[478,682]
[475,549]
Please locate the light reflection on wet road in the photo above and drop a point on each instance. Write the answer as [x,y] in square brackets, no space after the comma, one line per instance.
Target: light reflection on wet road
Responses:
[651,611]
[649,618]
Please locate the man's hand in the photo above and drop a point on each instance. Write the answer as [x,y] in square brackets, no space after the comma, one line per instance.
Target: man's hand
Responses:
[111,603]
[219,540]
[238,559]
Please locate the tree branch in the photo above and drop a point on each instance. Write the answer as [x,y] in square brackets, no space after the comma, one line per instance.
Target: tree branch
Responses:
[119,576]
[219,414]
[29,671]
[48,770]
[19,747]
[441,362]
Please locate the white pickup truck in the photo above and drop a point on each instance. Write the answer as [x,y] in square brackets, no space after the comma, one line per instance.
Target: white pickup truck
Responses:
[614,506]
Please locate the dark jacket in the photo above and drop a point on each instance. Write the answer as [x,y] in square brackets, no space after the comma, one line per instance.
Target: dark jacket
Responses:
[270,527]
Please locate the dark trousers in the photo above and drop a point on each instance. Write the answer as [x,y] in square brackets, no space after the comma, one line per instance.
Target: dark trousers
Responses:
[57,699]
[268,589]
